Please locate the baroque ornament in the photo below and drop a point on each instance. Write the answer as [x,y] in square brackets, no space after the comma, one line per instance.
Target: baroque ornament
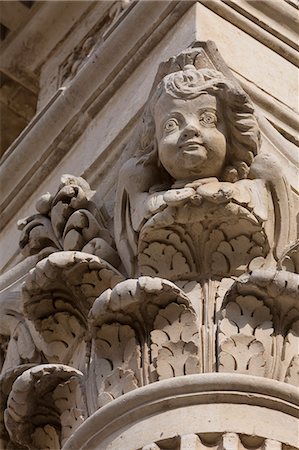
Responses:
[202,276]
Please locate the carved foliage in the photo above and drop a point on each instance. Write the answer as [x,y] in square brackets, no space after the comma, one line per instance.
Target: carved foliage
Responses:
[6,381]
[68,220]
[18,346]
[259,329]
[233,256]
[181,242]
[143,329]
[175,343]
[117,361]
[45,406]
[168,252]
[58,294]
[245,337]
[290,354]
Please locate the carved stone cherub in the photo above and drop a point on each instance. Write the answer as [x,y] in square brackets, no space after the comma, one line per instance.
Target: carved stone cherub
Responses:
[188,183]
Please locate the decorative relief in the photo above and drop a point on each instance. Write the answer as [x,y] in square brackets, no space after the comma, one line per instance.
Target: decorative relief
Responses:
[221,240]
[170,250]
[118,361]
[18,346]
[245,337]
[290,259]
[58,294]
[69,220]
[175,342]
[76,60]
[147,342]
[7,380]
[209,260]
[259,332]
[45,405]
[216,441]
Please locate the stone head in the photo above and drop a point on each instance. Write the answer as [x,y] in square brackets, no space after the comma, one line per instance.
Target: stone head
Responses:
[199,124]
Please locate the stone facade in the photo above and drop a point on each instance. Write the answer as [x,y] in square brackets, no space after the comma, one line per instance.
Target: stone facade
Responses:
[149,300]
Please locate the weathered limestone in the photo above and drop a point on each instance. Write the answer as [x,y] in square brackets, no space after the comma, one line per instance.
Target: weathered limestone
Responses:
[172,321]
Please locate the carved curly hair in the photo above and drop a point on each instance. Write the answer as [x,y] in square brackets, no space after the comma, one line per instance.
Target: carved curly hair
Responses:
[243,135]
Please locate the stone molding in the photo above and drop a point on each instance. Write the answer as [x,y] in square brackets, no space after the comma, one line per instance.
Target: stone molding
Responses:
[105,426]
[271,32]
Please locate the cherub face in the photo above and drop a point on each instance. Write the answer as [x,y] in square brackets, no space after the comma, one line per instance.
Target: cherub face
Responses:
[191,136]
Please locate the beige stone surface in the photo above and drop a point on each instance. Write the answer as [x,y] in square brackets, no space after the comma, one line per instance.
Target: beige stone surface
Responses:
[152,302]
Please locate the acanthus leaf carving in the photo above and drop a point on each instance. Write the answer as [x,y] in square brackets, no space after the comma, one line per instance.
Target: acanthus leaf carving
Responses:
[242,354]
[262,305]
[149,312]
[175,342]
[199,204]
[176,359]
[170,253]
[290,353]
[136,301]
[18,346]
[245,337]
[57,296]
[117,383]
[7,380]
[118,361]
[290,259]
[175,322]
[35,414]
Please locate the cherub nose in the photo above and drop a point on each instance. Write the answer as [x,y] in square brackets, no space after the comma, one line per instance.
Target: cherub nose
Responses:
[191,130]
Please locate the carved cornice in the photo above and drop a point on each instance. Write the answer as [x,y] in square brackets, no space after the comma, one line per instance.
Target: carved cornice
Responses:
[246,15]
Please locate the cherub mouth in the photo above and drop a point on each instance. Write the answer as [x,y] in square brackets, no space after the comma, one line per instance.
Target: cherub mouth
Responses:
[190,145]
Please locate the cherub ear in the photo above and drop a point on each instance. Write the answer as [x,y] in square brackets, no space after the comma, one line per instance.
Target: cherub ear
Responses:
[266,167]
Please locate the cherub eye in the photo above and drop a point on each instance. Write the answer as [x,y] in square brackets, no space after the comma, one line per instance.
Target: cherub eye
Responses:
[208,118]
[171,125]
